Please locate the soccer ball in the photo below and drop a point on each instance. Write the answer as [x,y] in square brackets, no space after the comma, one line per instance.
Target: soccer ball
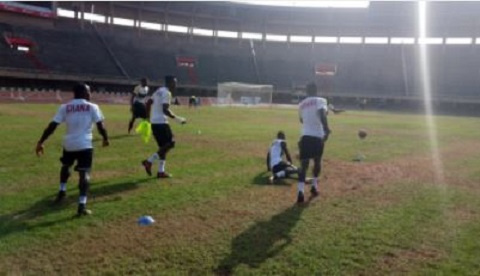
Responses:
[362,134]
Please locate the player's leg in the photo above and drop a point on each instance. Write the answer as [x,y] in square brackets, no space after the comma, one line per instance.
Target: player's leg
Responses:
[168,143]
[67,160]
[316,173]
[317,166]
[83,167]
[291,170]
[130,124]
[133,110]
[302,174]
[157,134]
[279,170]
[83,186]
[303,146]
[284,170]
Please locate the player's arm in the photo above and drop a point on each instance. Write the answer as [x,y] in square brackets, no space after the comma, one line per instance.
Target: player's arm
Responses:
[103,132]
[285,150]
[46,133]
[132,98]
[323,118]
[97,118]
[268,161]
[169,113]
[148,107]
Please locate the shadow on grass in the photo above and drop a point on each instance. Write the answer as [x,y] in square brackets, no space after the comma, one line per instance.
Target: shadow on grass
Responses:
[263,179]
[115,137]
[24,220]
[262,241]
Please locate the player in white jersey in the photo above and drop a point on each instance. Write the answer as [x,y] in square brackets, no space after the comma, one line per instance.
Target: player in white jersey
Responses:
[78,114]
[159,104]
[275,163]
[315,132]
[137,102]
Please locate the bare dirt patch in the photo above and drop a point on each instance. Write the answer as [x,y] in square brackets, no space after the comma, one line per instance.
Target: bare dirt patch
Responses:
[399,262]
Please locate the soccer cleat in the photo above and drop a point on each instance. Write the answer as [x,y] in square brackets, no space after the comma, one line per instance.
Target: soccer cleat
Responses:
[148,167]
[163,175]
[60,197]
[300,198]
[83,211]
[314,191]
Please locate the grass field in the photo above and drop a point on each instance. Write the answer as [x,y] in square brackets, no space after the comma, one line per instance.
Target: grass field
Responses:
[218,215]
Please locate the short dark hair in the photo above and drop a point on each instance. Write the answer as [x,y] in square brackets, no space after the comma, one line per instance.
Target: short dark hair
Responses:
[169,78]
[311,88]
[79,89]
[281,135]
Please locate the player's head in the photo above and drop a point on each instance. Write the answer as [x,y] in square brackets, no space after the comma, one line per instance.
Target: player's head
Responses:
[171,83]
[143,82]
[311,89]
[81,91]
[281,135]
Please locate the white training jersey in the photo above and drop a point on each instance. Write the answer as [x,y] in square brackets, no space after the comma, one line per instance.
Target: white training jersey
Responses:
[78,115]
[308,111]
[141,94]
[160,97]
[276,152]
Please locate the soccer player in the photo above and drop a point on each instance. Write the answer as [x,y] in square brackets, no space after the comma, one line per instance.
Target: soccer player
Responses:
[159,104]
[275,163]
[192,101]
[315,132]
[79,114]
[137,102]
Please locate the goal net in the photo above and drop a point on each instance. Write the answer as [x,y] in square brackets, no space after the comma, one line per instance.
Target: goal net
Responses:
[236,93]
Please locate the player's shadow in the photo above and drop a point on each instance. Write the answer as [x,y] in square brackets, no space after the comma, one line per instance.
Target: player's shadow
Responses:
[263,179]
[24,220]
[261,241]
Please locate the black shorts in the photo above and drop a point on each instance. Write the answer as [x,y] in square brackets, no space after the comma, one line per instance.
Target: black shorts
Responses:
[139,110]
[310,147]
[83,157]
[280,167]
[163,134]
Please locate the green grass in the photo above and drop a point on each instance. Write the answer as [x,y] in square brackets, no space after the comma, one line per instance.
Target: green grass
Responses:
[217,216]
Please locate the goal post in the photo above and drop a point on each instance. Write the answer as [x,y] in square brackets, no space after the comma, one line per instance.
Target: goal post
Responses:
[236,93]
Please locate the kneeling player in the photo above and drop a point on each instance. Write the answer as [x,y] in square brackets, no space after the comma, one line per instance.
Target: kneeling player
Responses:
[280,169]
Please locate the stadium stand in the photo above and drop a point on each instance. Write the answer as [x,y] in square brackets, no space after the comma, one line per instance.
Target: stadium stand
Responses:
[119,55]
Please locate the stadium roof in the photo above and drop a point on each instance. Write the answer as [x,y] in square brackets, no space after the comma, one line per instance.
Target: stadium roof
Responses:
[309,4]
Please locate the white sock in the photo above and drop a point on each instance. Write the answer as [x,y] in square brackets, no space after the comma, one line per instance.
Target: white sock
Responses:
[82,200]
[315,183]
[280,174]
[153,157]
[301,187]
[161,166]
[63,187]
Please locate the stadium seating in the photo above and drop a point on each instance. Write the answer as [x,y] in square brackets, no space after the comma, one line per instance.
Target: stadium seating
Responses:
[362,69]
